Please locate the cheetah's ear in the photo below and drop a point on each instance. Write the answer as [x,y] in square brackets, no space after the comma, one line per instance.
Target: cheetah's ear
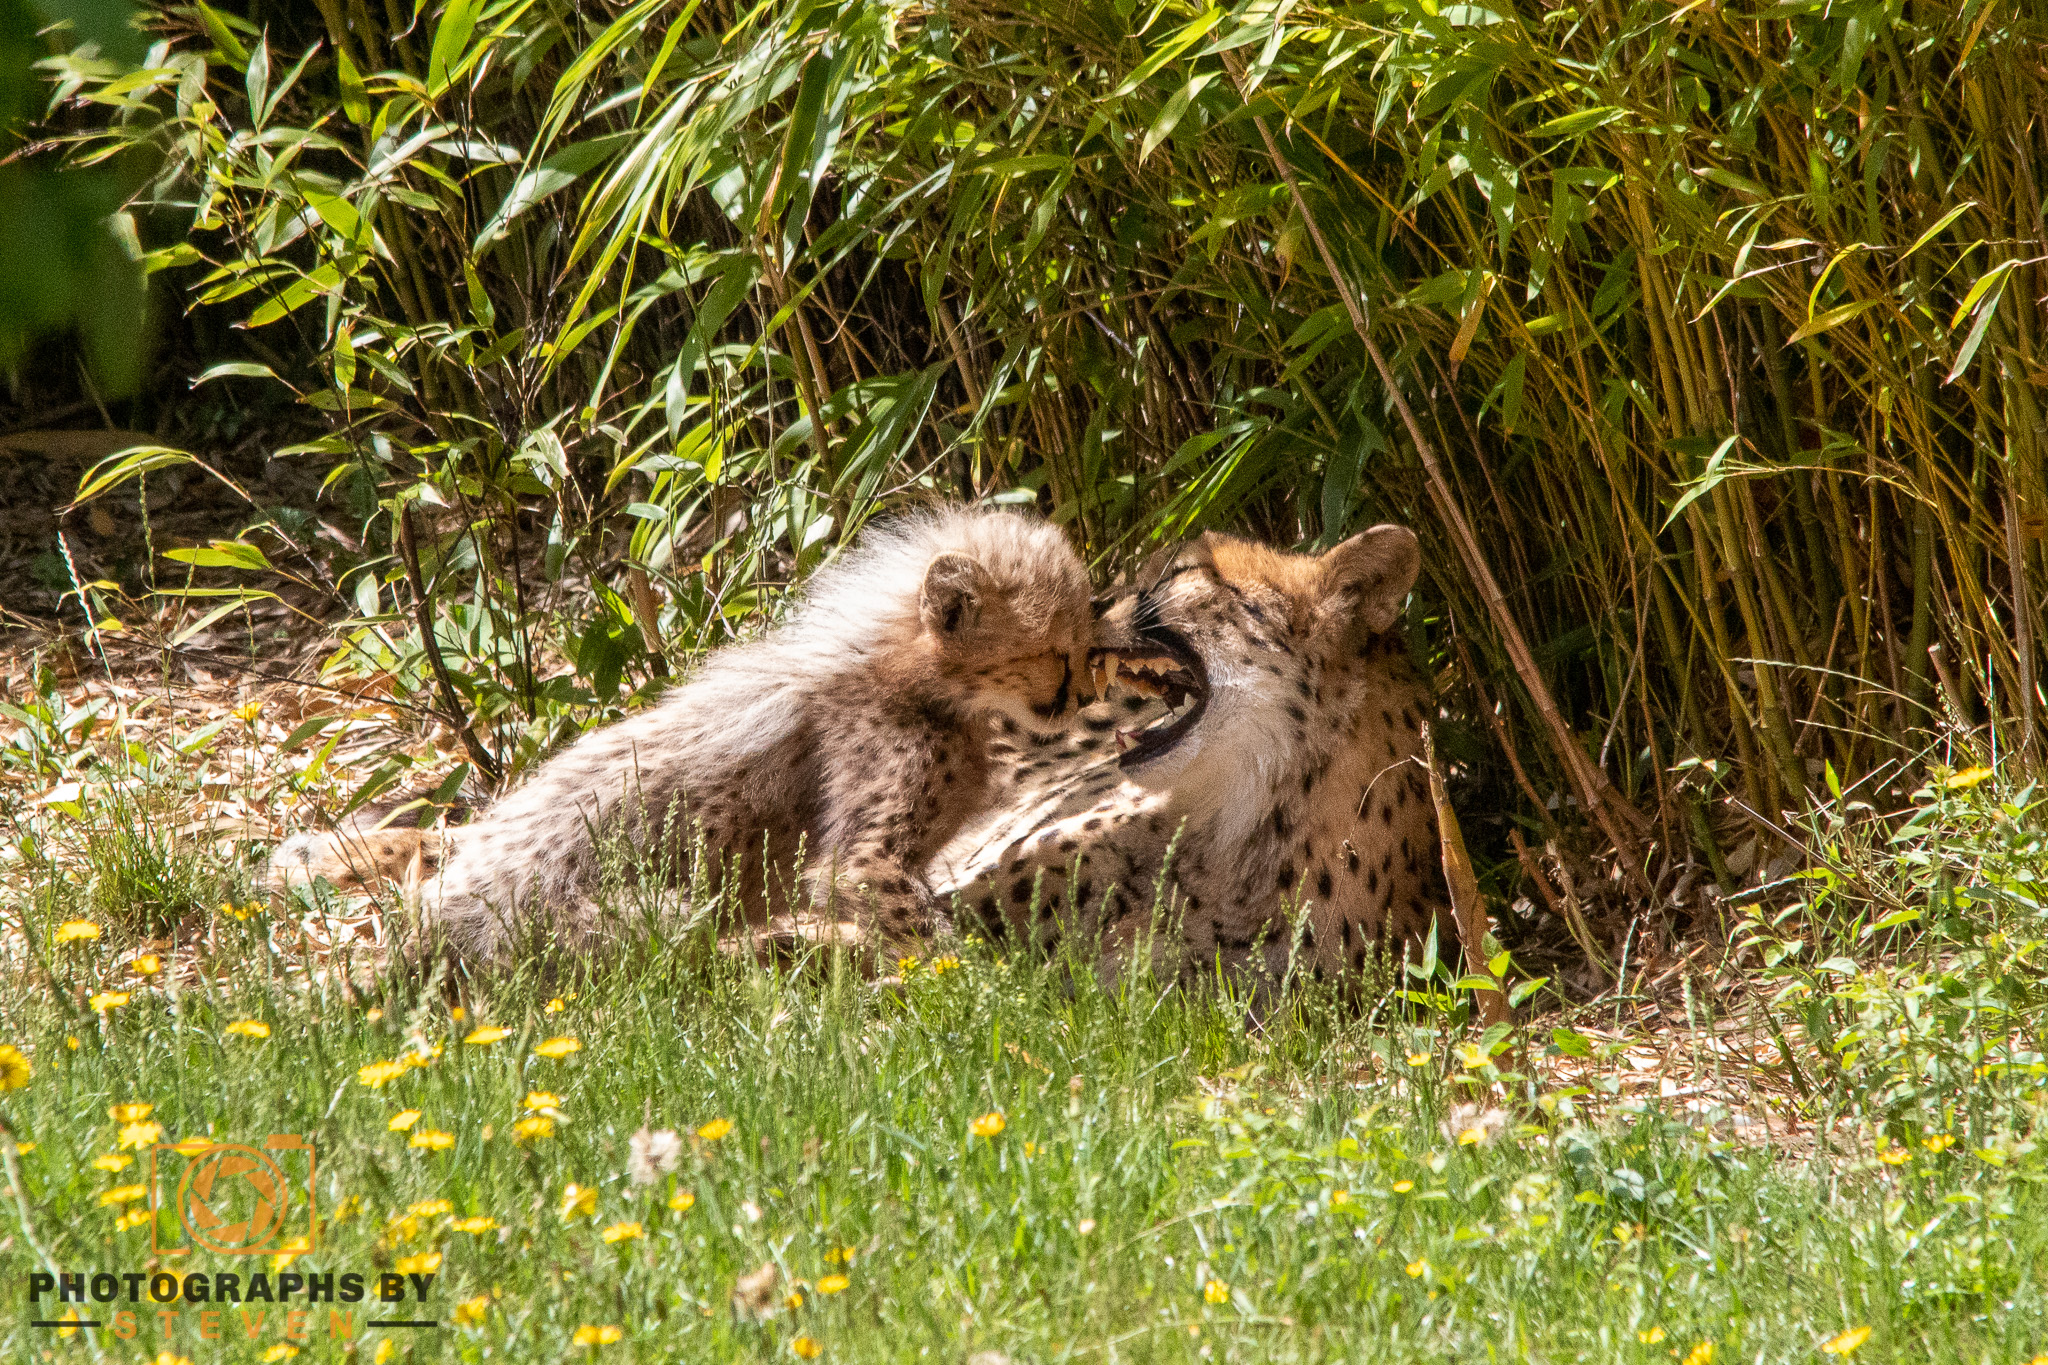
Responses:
[1366,578]
[955,586]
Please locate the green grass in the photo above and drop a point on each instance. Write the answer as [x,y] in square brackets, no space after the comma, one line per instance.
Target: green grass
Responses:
[1152,1143]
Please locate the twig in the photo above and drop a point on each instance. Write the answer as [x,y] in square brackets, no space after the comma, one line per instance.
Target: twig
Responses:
[647,614]
[1466,907]
[423,611]
[1617,819]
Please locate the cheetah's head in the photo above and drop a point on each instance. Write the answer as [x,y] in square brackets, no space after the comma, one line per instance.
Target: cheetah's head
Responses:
[1233,636]
[1009,620]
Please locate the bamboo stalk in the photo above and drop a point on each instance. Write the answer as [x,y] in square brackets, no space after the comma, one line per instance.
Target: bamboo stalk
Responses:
[1619,821]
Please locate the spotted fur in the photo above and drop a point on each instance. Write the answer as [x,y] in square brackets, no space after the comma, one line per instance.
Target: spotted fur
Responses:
[1299,798]
[852,741]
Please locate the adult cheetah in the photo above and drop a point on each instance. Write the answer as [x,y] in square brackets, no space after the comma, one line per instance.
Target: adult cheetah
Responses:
[1267,731]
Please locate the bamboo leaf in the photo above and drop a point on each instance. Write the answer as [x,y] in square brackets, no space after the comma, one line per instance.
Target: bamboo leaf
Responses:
[1185,38]
[1579,123]
[1170,116]
[1942,222]
[557,172]
[355,97]
[1995,283]
[247,369]
[451,42]
[1708,480]
[222,554]
[1833,318]
[124,465]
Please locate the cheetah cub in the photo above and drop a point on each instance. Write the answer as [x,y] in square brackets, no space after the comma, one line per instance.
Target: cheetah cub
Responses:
[858,729]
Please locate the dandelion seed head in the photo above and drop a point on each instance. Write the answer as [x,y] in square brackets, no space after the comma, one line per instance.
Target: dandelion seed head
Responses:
[653,1153]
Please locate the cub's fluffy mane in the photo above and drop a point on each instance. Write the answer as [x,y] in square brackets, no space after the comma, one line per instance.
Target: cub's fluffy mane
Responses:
[864,605]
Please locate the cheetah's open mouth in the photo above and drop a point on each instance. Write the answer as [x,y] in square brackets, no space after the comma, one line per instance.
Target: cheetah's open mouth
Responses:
[1165,666]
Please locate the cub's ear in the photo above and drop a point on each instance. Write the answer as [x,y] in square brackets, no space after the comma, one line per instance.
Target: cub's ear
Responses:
[1365,579]
[955,587]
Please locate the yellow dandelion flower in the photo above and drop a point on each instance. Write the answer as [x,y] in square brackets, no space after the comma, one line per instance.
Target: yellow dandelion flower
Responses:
[1215,1292]
[682,1201]
[23,1148]
[247,711]
[841,1255]
[554,1006]
[387,1351]
[586,1335]
[77,931]
[71,1041]
[1403,1186]
[192,1146]
[622,1232]
[70,1315]
[431,1208]
[426,1263]
[1339,1198]
[137,1135]
[132,1112]
[423,1055]
[542,1099]
[123,1194]
[15,1069]
[289,1252]
[113,1161]
[989,1124]
[167,1358]
[281,1351]
[1895,1156]
[1967,778]
[489,1033]
[432,1140]
[714,1130]
[478,1224]
[107,1000]
[806,1349]
[1417,1269]
[403,1120]
[557,1048]
[248,1028]
[1845,1343]
[578,1199]
[381,1073]
[1702,1354]
[146,964]
[832,1284]
[1650,1336]
[134,1218]
[533,1126]
[470,1312]
[794,1301]
[1938,1142]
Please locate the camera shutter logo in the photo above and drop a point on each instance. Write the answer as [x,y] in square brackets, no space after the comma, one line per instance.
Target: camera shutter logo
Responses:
[237,1200]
